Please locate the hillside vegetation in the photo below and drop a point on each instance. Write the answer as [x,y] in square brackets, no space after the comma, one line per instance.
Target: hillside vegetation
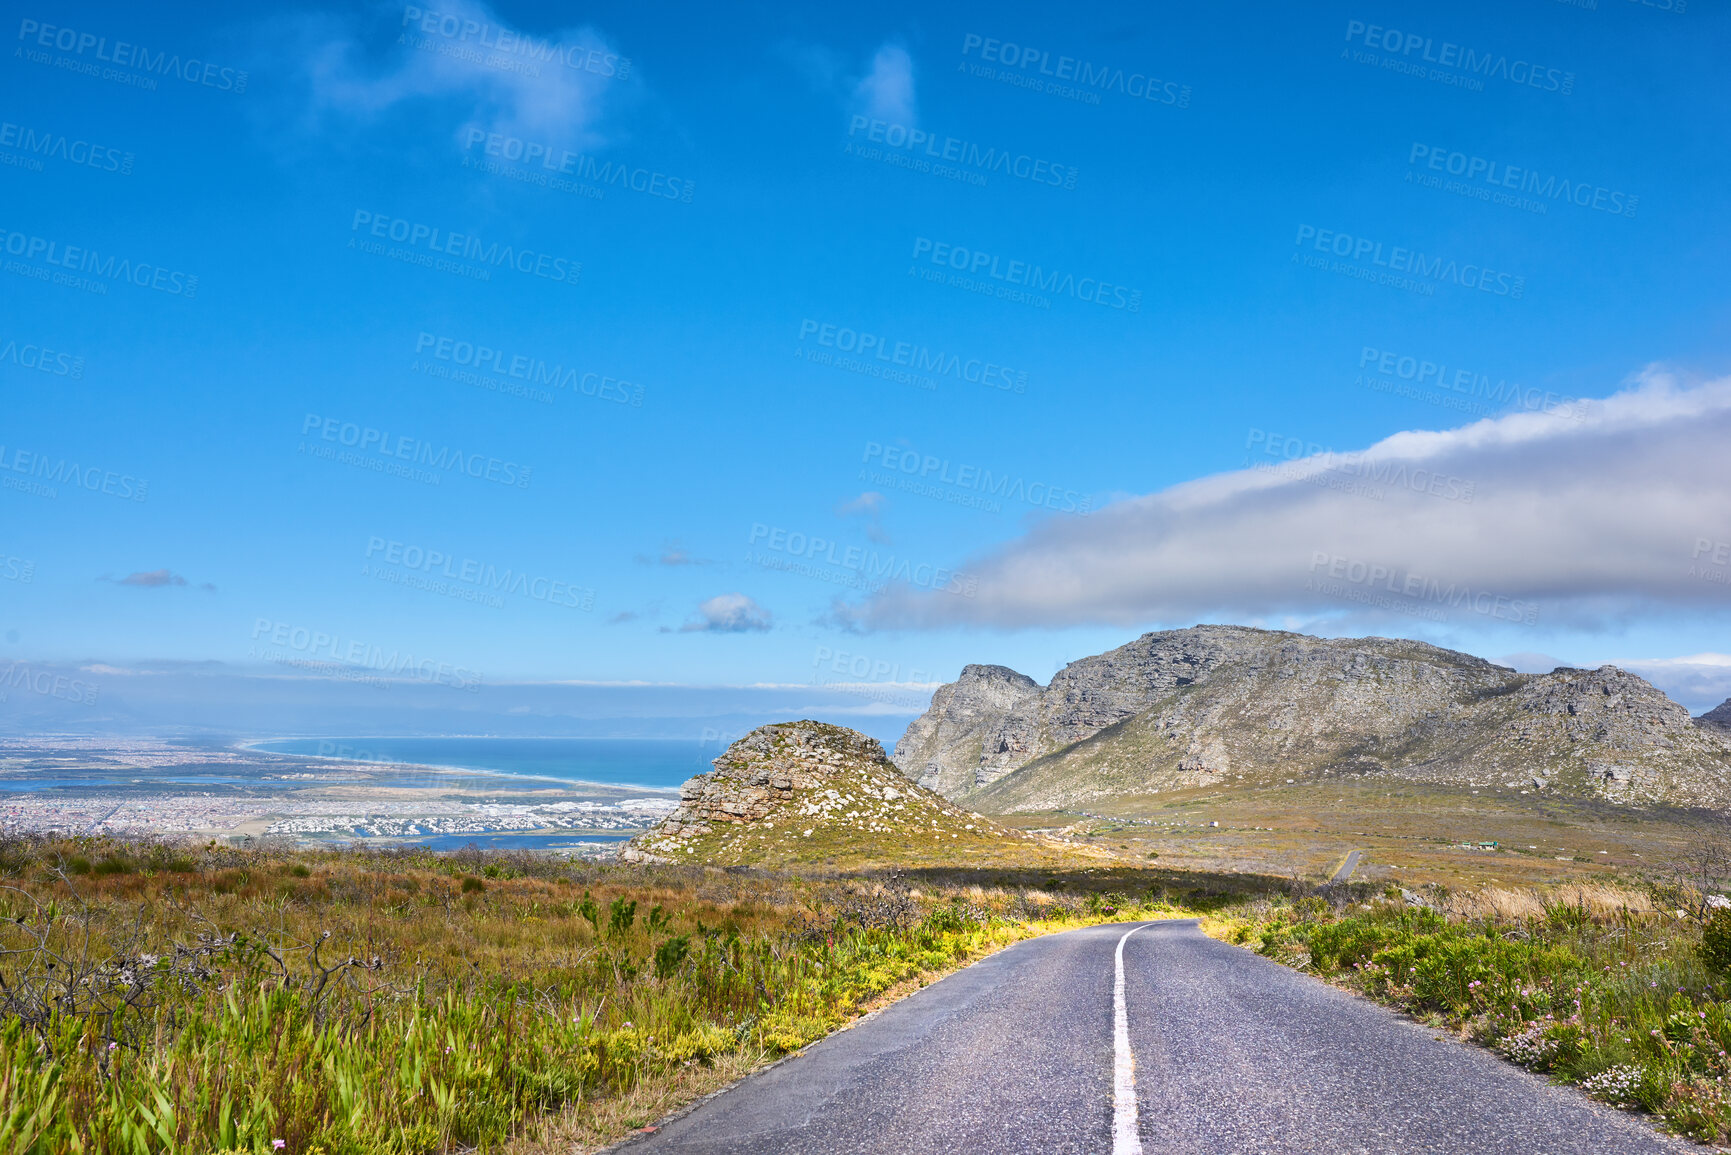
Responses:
[160,999]
[164,999]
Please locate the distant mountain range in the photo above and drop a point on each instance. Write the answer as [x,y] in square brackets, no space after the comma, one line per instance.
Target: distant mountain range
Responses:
[1232,705]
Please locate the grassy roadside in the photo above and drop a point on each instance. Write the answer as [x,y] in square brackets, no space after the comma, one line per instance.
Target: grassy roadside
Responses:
[156,999]
[1595,986]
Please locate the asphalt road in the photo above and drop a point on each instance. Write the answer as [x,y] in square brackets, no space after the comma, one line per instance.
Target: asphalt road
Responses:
[1347,867]
[1233,1055]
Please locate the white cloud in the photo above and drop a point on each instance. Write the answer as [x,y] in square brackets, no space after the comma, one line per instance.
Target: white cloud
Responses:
[869,505]
[1533,662]
[729,614]
[1582,519]
[887,91]
[1699,681]
[545,85]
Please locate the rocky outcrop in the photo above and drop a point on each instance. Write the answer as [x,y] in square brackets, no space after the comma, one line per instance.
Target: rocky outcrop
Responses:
[1226,705]
[802,790]
[945,747]
[1718,719]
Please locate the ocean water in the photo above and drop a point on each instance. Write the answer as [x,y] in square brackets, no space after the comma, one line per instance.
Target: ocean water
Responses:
[659,763]
[508,840]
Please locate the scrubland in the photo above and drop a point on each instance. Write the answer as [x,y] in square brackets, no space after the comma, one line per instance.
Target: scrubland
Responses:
[160,998]
[165,999]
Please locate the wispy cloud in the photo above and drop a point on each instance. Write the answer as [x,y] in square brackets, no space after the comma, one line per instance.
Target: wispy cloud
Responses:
[674,554]
[1699,681]
[729,614]
[1588,519]
[886,92]
[869,505]
[545,84]
[1533,662]
[154,579]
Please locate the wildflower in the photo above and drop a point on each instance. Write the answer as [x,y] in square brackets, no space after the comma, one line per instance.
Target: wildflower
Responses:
[112,1046]
[278,1144]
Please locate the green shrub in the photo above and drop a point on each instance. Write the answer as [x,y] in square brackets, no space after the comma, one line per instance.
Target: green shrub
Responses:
[670,954]
[473,885]
[621,915]
[1716,941]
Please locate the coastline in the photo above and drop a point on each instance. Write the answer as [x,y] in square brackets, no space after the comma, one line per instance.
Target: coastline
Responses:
[165,788]
[256,746]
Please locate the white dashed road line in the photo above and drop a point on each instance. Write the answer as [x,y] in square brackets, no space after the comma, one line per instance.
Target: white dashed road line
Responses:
[1125,1139]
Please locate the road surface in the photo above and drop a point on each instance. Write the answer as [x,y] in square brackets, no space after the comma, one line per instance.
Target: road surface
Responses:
[1347,867]
[1228,1054]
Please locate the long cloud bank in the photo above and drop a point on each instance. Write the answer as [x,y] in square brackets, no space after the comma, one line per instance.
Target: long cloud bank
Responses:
[1572,517]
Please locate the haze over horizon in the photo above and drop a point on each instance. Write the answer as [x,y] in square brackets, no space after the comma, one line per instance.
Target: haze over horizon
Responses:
[605,370]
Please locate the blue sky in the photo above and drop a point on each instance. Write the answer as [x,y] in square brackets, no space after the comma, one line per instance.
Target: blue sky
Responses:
[637,344]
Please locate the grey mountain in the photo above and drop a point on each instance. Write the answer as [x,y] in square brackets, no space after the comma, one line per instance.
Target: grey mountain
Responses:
[1223,705]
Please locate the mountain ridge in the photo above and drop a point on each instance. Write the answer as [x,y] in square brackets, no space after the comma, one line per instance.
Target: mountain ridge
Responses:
[1235,705]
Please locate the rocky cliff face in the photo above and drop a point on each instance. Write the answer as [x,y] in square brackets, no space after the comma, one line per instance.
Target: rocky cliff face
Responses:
[1223,705]
[802,791]
[946,745]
